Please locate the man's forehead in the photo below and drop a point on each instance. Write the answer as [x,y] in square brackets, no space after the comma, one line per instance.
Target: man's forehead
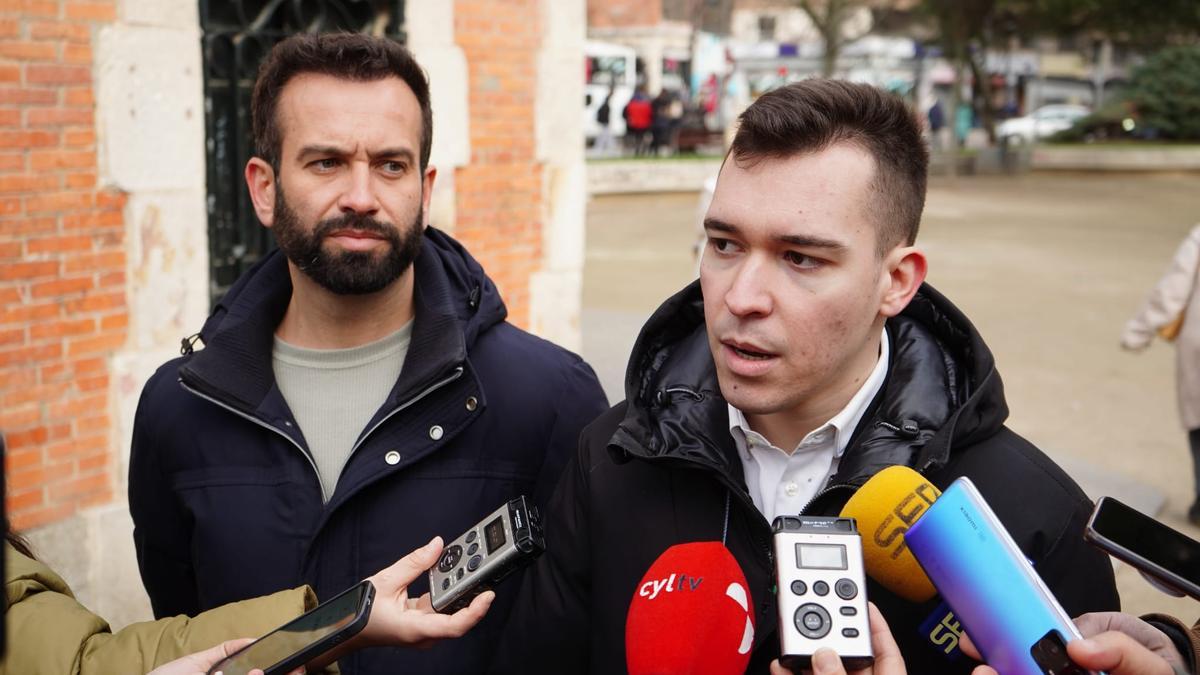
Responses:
[315,101]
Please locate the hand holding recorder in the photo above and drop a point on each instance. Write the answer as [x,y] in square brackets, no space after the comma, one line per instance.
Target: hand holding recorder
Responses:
[888,660]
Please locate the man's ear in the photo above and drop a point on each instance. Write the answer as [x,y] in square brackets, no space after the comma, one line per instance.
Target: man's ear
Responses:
[904,270]
[260,179]
[427,182]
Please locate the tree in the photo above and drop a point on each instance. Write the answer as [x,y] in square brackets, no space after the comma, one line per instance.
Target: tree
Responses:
[1165,91]
[831,19]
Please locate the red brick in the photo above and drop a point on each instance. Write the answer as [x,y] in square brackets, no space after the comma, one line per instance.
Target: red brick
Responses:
[91,365]
[56,30]
[12,161]
[95,302]
[111,279]
[24,356]
[20,183]
[27,226]
[44,515]
[78,138]
[81,97]
[95,262]
[21,500]
[77,53]
[111,322]
[52,372]
[59,244]
[28,270]
[90,345]
[10,73]
[93,221]
[60,431]
[63,286]
[39,476]
[74,447]
[96,462]
[27,313]
[10,117]
[37,73]
[8,207]
[31,7]
[17,377]
[76,487]
[10,250]
[59,159]
[53,202]
[59,117]
[93,425]
[9,28]
[25,50]
[12,336]
[27,139]
[36,394]
[62,328]
[80,180]
[91,11]
[18,418]
[22,95]
[110,199]
[18,458]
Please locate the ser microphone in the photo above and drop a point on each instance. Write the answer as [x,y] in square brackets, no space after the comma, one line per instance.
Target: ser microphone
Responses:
[691,614]
[885,507]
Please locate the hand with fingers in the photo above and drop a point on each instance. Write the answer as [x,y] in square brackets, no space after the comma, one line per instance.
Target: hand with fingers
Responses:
[200,662]
[888,660]
[1116,643]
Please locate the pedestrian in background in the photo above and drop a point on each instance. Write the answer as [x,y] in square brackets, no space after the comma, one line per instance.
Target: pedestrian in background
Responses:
[639,115]
[605,144]
[1170,312]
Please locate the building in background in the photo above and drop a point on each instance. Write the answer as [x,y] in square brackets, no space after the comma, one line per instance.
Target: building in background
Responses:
[123,213]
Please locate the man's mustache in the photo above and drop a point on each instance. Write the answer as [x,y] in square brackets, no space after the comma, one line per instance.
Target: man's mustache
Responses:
[352,221]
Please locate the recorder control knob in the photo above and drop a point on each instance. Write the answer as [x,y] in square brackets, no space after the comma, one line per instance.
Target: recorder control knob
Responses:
[812,621]
[450,558]
[845,589]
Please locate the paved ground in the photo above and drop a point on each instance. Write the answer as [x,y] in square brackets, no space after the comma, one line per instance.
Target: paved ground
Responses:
[1048,266]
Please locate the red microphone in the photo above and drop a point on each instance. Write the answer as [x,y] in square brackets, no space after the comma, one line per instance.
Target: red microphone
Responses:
[691,614]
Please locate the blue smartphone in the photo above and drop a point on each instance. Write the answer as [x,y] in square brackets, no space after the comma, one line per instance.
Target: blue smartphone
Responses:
[1014,620]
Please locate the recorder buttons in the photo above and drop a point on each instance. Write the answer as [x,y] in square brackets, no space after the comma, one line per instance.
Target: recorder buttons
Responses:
[450,558]
[472,549]
[459,575]
[812,621]
[845,589]
[473,563]
[799,587]
[849,611]
[472,536]
[446,583]
[821,588]
[850,632]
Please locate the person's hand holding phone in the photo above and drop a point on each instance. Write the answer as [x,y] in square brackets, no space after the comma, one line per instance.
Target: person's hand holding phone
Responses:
[1114,643]
[200,662]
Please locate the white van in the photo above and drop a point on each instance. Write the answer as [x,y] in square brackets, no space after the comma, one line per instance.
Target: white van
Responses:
[608,67]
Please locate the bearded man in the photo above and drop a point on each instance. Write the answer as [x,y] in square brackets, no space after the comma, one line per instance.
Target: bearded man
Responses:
[359,390]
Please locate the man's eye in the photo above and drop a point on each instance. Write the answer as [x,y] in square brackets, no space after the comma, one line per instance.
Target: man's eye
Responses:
[721,245]
[325,164]
[394,167]
[801,261]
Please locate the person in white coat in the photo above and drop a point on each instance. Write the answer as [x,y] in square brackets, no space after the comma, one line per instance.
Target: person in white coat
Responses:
[1172,311]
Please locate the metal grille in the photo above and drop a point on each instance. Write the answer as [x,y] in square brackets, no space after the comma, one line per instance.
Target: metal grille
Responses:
[237,35]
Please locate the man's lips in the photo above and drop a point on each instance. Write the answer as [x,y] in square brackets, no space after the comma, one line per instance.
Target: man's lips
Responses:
[748,350]
[356,240]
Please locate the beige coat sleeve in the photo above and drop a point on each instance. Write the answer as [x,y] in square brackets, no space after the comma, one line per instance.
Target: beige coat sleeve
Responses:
[1169,296]
[50,632]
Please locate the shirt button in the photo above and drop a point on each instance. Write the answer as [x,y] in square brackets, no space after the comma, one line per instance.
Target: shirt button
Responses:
[392,458]
[791,489]
[472,403]
[436,432]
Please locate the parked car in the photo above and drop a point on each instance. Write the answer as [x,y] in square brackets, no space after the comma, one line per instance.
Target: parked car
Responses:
[1116,121]
[1041,123]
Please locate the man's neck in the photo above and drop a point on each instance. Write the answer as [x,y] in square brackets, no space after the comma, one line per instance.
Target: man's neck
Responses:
[319,319]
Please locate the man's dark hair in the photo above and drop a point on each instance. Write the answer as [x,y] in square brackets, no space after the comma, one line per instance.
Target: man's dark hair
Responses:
[347,56]
[812,115]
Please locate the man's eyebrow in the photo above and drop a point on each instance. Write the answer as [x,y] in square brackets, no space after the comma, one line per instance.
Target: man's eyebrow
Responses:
[322,150]
[397,152]
[802,240]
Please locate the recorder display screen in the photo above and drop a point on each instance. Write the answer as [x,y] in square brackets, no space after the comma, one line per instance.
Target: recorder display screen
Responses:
[493,533]
[821,556]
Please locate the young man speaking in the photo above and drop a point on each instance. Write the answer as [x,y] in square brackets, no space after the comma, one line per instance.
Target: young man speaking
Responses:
[809,356]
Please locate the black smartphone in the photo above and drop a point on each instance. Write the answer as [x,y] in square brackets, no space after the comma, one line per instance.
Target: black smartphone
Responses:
[1166,555]
[304,638]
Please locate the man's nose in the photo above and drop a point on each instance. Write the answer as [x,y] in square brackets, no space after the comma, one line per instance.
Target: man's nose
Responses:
[359,195]
[749,293]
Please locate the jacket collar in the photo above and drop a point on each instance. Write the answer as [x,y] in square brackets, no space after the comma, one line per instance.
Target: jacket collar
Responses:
[941,390]
[453,302]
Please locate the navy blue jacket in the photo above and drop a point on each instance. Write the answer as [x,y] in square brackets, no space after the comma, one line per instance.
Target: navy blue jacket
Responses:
[225,497]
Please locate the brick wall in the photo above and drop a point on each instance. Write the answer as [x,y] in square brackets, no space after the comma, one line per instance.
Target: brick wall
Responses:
[498,196]
[62,264]
[623,13]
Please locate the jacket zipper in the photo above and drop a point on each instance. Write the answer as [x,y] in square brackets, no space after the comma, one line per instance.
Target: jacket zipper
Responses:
[262,424]
[458,371]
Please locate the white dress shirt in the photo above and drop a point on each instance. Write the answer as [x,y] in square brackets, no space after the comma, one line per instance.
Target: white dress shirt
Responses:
[782,483]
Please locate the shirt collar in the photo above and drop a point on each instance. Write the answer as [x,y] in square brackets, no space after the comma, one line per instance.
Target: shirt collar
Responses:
[843,423]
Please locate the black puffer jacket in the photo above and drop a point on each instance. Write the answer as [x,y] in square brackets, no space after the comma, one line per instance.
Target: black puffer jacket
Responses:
[226,502]
[656,471]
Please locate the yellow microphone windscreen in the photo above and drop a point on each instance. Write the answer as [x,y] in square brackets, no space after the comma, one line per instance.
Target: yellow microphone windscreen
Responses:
[885,507]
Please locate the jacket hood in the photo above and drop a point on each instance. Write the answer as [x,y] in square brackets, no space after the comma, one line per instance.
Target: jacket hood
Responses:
[941,390]
[453,299]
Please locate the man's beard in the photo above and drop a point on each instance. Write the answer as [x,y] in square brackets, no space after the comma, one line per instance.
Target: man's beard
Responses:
[347,272]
